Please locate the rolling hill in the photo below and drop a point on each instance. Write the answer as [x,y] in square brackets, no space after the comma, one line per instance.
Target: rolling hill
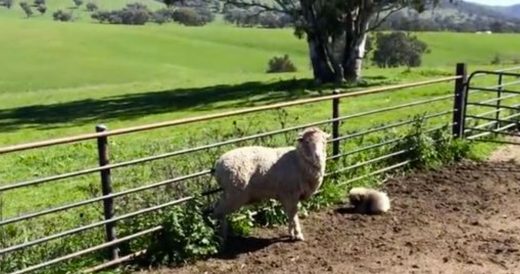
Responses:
[510,11]
[457,16]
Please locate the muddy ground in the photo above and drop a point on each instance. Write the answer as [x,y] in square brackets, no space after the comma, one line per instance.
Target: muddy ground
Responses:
[463,218]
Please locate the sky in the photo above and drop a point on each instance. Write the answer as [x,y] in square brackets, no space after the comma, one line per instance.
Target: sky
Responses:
[496,2]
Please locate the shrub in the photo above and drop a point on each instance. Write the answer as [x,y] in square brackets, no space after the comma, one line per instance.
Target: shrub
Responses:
[281,64]
[41,9]
[162,16]
[397,49]
[78,3]
[205,15]
[496,60]
[62,16]
[135,14]
[26,8]
[186,236]
[91,7]
[432,149]
[190,17]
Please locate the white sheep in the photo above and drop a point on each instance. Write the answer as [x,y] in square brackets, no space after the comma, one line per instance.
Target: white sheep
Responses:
[288,174]
[369,201]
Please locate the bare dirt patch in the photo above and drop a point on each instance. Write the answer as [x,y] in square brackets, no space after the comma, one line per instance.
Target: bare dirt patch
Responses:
[463,218]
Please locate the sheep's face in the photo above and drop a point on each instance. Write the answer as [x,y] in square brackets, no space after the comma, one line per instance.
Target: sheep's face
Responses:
[355,199]
[313,143]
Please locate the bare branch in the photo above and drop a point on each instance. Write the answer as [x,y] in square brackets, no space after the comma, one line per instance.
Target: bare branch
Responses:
[380,20]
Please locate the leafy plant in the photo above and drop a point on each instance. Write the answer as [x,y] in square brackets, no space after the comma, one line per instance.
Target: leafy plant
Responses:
[281,64]
[187,236]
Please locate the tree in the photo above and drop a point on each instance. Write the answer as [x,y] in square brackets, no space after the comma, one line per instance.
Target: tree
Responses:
[26,8]
[91,7]
[398,49]
[336,30]
[7,3]
[496,26]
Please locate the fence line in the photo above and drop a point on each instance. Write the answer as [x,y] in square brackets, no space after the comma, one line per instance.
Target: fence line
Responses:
[104,168]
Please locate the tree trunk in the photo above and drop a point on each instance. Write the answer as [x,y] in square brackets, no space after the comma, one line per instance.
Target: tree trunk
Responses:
[353,58]
[322,69]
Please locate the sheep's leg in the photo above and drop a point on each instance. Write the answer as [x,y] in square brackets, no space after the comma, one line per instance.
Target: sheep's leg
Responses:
[226,205]
[291,210]
[286,208]
[297,228]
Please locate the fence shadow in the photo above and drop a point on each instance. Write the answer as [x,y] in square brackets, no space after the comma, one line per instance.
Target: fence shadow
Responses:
[131,106]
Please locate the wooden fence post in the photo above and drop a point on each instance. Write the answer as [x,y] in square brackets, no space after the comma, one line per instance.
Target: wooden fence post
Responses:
[106,187]
[460,101]
[335,125]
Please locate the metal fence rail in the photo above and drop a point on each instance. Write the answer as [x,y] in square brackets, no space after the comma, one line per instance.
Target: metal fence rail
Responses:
[457,114]
[214,145]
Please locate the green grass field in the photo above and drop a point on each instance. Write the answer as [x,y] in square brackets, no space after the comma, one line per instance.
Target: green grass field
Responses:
[71,66]
[59,79]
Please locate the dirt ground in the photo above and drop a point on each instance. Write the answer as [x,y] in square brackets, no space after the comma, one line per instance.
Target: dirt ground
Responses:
[463,218]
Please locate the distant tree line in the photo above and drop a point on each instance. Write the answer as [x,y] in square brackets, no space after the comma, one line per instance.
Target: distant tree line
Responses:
[413,22]
[255,17]
[190,13]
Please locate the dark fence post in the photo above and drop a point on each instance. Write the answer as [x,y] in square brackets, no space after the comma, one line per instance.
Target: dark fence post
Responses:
[106,187]
[335,125]
[499,101]
[459,114]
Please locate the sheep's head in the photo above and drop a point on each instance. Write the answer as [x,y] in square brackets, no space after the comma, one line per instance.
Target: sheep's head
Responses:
[312,143]
[357,196]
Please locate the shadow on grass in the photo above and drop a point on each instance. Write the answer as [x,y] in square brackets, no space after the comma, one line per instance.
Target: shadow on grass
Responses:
[132,106]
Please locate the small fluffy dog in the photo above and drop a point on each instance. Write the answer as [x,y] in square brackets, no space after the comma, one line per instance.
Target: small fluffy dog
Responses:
[369,201]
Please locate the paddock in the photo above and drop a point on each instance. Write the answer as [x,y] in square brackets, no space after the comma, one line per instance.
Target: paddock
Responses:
[462,218]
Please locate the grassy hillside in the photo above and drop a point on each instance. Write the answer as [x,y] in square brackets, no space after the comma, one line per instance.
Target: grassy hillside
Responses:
[64,64]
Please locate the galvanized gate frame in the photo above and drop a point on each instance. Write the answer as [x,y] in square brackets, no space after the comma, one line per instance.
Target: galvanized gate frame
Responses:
[493,125]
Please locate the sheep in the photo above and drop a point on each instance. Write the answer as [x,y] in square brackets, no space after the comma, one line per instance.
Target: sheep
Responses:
[289,175]
[369,201]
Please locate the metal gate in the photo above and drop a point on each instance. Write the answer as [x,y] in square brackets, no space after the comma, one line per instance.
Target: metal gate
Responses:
[490,106]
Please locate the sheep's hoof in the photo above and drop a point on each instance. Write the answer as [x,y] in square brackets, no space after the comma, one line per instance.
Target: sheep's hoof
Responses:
[298,237]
